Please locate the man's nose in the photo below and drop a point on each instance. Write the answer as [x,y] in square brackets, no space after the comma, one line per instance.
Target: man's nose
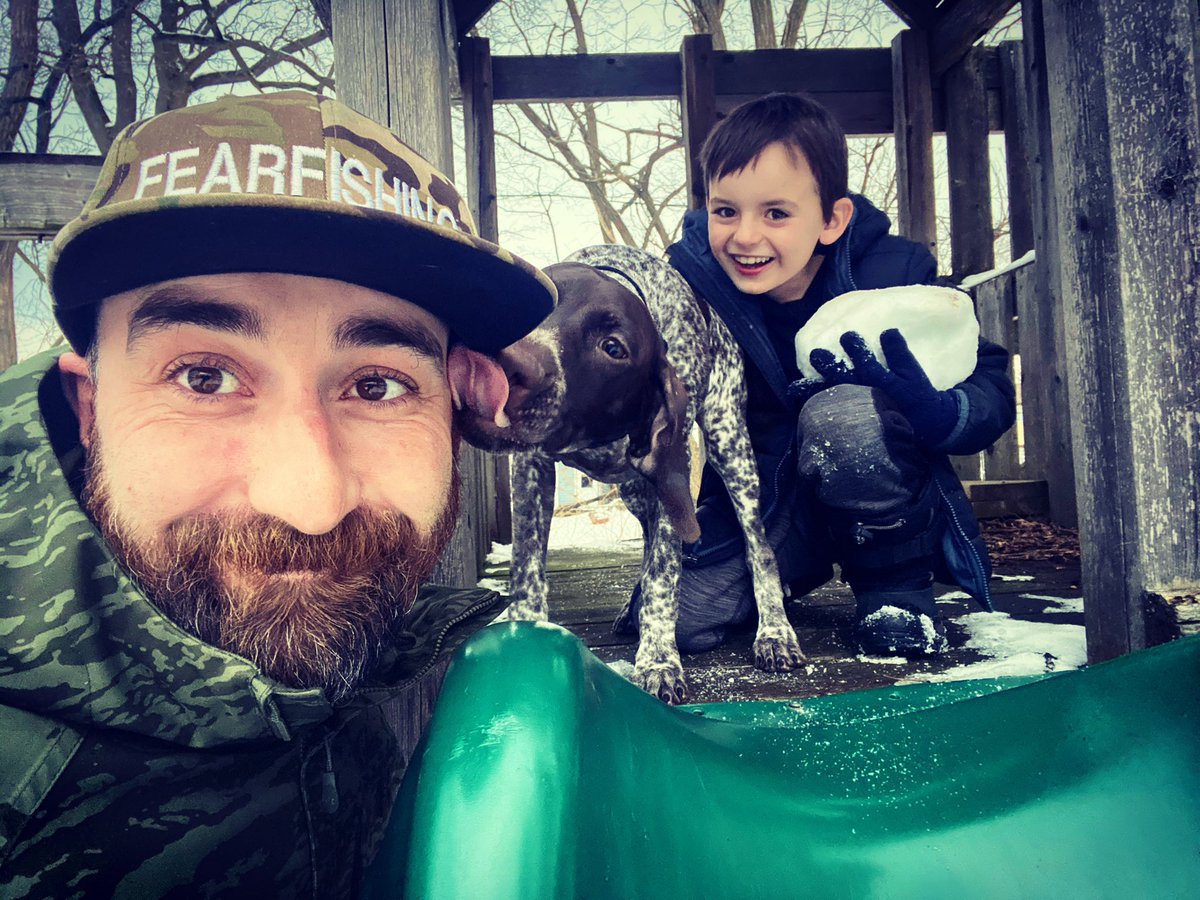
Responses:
[302,475]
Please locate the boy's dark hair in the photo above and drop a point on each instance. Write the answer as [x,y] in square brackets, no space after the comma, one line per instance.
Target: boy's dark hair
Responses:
[801,124]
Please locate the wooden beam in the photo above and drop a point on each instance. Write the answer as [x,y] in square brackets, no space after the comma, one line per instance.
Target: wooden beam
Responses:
[957,25]
[475,77]
[39,193]
[912,110]
[969,165]
[1124,109]
[1040,320]
[1019,137]
[913,13]
[467,14]
[698,105]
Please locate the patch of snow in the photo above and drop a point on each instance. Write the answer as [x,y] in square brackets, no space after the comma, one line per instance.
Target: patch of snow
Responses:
[499,585]
[501,553]
[1058,604]
[622,667]
[1012,577]
[881,660]
[1015,647]
[953,595]
[971,280]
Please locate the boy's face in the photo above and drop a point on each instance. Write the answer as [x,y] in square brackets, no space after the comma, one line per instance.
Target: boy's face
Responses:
[765,221]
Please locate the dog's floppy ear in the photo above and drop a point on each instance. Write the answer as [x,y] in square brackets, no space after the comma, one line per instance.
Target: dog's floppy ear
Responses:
[661,453]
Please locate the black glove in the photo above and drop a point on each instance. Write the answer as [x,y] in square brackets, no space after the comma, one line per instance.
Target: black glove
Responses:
[932,413]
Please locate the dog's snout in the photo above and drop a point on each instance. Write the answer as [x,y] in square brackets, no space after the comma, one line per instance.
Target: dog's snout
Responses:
[527,365]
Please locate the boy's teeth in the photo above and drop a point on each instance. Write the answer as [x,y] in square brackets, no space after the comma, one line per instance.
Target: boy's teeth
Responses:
[752,260]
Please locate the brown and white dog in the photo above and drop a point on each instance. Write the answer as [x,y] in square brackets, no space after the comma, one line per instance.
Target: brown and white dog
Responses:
[610,384]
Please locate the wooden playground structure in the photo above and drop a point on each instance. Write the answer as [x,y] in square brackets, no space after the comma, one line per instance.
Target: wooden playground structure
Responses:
[1100,110]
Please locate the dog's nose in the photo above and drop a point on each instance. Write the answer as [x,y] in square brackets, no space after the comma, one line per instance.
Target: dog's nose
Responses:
[529,367]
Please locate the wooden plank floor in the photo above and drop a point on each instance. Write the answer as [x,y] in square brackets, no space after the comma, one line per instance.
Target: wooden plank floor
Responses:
[588,588]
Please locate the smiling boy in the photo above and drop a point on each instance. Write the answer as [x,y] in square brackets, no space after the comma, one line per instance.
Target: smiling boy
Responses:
[854,472]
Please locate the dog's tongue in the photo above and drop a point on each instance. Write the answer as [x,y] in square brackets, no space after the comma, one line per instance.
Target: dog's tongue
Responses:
[479,384]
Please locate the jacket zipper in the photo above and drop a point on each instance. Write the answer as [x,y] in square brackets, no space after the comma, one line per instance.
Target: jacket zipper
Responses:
[979,569]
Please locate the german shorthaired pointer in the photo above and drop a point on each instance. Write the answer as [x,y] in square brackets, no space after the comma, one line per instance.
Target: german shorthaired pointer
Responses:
[610,384]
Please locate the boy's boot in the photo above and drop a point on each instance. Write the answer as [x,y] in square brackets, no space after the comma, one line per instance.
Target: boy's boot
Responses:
[889,563]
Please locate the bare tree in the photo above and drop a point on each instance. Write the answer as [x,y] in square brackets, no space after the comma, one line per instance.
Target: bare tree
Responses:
[78,73]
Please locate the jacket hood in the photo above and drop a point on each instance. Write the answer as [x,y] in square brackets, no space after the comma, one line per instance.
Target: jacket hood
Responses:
[82,643]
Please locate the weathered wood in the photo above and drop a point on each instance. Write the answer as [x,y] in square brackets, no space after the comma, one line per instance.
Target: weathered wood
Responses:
[996,309]
[957,26]
[40,193]
[8,318]
[912,110]
[467,14]
[856,84]
[1011,497]
[1019,137]
[475,77]
[1125,108]
[1040,323]
[967,157]
[393,65]
[913,13]
[697,103]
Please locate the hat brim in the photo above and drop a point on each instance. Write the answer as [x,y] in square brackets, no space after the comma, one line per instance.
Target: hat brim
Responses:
[486,297]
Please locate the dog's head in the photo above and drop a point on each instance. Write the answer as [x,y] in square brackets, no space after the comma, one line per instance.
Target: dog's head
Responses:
[593,373]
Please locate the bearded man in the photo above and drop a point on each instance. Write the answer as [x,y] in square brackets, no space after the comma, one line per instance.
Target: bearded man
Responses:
[217,511]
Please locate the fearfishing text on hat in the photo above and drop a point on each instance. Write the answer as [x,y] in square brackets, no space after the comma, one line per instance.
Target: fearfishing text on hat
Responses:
[295,183]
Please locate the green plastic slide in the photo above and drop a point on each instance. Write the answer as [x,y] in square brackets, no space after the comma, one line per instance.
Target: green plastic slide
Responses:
[546,775]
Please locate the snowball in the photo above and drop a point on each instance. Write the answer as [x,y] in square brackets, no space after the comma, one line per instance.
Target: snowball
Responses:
[938,323]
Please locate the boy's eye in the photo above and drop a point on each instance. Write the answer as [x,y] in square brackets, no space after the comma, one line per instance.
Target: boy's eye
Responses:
[722,212]
[776,214]
[208,380]
[374,388]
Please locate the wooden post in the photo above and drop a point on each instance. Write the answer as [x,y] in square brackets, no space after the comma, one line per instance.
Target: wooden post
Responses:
[393,65]
[1124,119]
[1018,150]
[912,110]
[699,108]
[8,317]
[995,306]
[1040,322]
[475,76]
[966,110]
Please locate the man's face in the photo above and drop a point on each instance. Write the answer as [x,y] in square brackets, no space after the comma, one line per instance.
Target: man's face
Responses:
[765,221]
[271,455]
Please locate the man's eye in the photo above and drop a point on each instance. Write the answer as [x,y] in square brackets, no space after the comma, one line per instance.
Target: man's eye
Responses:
[379,387]
[208,380]
[614,348]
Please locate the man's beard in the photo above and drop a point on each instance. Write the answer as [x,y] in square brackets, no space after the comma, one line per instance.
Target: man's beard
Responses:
[308,610]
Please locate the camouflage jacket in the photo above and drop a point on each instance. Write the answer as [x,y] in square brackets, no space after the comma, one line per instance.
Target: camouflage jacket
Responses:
[138,761]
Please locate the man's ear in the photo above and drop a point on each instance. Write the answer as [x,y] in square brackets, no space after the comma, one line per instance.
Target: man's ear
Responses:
[80,390]
[843,211]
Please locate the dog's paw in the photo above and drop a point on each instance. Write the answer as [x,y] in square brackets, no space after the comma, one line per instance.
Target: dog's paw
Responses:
[665,681]
[777,650]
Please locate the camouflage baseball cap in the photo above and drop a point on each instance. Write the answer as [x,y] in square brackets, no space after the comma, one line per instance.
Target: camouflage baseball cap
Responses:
[295,183]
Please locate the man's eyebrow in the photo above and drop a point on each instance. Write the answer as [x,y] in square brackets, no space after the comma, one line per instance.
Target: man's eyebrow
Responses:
[171,306]
[380,331]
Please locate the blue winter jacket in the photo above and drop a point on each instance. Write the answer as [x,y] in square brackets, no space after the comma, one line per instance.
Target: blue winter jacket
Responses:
[866,256]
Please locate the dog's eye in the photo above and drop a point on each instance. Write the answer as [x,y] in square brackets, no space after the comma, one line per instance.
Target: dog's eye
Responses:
[614,348]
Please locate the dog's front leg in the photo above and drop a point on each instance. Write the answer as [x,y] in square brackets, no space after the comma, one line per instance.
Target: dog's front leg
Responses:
[533,508]
[657,668]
